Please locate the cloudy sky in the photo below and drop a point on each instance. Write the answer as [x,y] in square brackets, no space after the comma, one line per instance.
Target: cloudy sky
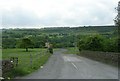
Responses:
[44,13]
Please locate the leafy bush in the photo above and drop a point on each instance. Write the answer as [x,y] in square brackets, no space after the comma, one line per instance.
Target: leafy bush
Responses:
[98,43]
[94,43]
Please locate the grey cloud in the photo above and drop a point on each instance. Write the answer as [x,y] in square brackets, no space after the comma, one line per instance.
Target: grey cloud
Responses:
[22,17]
[86,15]
[19,18]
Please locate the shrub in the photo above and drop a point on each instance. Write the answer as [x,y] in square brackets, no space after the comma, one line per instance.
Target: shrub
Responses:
[98,43]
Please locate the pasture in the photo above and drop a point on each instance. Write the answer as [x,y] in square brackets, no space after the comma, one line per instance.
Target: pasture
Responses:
[27,61]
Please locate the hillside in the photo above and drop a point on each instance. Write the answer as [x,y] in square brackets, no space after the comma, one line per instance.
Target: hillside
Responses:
[59,36]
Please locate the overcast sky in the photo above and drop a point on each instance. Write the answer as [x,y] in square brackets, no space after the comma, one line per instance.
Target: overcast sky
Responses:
[44,13]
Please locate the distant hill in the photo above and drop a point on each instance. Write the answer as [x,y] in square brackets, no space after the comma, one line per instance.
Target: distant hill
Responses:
[58,36]
[64,30]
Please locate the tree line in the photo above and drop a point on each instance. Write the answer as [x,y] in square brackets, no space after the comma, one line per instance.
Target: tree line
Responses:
[59,37]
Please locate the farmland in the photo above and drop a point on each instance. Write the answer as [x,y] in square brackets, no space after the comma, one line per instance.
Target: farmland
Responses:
[75,39]
[39,57]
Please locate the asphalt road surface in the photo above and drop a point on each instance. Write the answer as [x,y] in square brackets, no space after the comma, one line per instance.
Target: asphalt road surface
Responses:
[70,66]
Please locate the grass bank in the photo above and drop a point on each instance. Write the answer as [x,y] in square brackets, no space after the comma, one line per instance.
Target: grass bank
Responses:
[72,50]
[27,61]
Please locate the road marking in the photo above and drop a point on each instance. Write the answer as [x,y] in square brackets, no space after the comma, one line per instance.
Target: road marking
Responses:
[74,65]
[71,59]
[71,62]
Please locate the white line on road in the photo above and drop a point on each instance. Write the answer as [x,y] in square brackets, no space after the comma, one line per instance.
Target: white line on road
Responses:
[71,62]
[74,65]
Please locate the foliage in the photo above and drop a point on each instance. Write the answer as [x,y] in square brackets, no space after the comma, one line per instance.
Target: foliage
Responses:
[61,37]
[25,43]
[72,50]
[94,43]
[98,43]
[81,44]
[8,43]
[50,50]
[117,23]
[117,19]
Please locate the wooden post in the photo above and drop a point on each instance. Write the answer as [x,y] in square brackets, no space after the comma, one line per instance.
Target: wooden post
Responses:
[16,61]
[31,60]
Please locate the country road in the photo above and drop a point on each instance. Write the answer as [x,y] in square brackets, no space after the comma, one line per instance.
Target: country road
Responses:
[70,66]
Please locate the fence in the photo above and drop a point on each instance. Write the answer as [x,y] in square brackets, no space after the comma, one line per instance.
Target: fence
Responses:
[24,63]
[29,60]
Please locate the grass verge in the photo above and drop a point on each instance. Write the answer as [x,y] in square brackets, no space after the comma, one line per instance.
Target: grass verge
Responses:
[72,50]
[26,63]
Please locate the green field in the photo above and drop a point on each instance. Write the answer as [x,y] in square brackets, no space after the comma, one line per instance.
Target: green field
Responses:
[72,50]
[25,66]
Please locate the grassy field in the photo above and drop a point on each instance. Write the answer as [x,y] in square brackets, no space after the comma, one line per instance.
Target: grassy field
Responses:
[0,53]
[72,50]
[26,63]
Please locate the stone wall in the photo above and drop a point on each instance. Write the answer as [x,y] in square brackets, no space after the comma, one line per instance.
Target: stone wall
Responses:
[106,57]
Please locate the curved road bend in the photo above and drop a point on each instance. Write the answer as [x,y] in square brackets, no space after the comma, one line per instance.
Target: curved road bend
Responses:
[70,66]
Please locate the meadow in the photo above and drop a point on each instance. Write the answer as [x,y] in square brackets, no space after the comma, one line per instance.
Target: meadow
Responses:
[27,61]
[72,50]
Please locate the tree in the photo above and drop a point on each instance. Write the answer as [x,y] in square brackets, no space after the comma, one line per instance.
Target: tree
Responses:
[95,43]
[81,44]
[117,19]
[26,43]
[8,43]
[117,23]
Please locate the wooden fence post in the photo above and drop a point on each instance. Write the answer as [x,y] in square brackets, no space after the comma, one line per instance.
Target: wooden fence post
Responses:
[16,61]
[31,60]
